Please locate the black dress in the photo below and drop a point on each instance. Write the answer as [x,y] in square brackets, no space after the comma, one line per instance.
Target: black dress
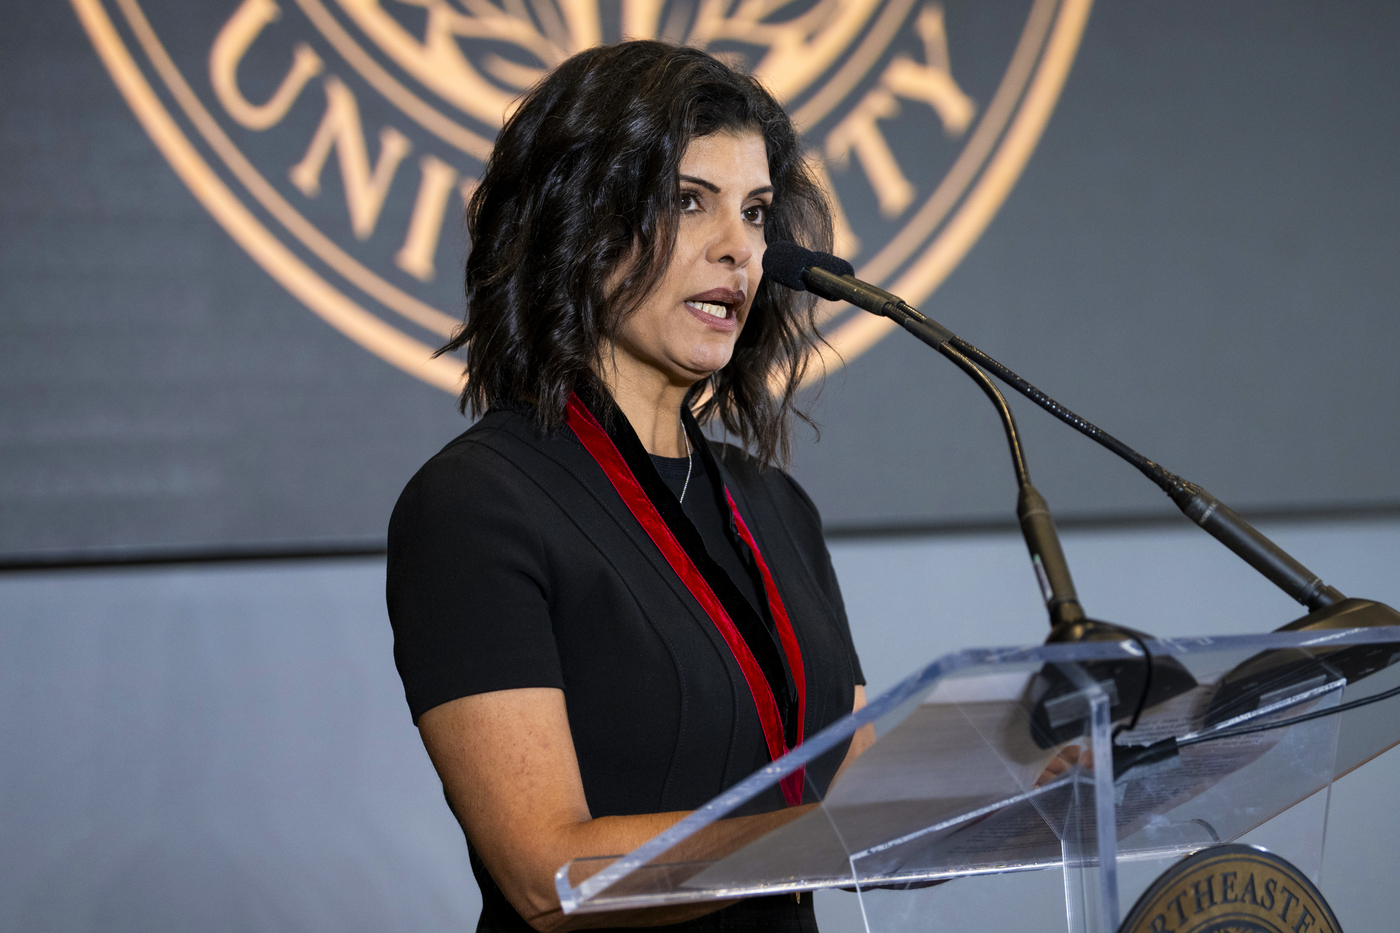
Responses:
[513,562]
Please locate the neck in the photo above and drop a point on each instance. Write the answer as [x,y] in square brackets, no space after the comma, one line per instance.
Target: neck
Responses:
[653,410]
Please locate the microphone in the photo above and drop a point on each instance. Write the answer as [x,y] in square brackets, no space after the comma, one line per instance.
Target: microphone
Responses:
[788,264]
[834,279]
[1240,690]
[1132,684]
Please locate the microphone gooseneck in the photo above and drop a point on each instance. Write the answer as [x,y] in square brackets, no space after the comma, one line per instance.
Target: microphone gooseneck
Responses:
[1136,683]
[1222,522]
[826,276]
[1135,686]
[833,278]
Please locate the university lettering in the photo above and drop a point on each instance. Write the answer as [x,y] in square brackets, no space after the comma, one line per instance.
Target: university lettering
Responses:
[1204,899]
[1287,904]
[1176,903]
[437,182]
[863,75]
[1248,891]
[340,129]
[232,43]
[1227,887]
[930,82]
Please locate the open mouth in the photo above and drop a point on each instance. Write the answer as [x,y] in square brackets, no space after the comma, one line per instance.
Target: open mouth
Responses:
[712,308]
[717,303]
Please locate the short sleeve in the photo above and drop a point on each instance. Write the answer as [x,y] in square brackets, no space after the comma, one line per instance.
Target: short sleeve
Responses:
[466,582]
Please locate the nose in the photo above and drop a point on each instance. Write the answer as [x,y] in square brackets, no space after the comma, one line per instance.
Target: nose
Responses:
[730,244]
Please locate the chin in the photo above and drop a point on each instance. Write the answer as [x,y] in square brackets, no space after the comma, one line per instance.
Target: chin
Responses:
[702,367]
[709,357]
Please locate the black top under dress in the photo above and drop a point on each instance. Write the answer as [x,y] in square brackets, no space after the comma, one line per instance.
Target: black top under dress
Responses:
[513,562]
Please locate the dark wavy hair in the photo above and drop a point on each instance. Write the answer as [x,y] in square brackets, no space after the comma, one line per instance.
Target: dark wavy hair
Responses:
[584,183]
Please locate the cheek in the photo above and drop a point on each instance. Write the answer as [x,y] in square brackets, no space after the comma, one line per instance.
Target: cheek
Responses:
[640,328]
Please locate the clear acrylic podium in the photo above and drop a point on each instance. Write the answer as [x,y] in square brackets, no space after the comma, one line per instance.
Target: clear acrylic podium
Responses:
[957,784]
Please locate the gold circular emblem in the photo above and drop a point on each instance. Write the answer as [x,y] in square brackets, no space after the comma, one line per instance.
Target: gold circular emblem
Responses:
[1231,889]
[336,140]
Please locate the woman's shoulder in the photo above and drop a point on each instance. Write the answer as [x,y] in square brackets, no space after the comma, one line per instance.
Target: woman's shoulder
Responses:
[500,430]
[489,466]
[499,443]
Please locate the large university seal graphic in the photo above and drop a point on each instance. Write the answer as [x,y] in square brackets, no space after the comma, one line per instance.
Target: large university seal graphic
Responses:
[1231,889]
[336,140]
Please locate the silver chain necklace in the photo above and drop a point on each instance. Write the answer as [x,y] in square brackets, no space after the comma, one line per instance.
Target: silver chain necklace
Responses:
[689,462]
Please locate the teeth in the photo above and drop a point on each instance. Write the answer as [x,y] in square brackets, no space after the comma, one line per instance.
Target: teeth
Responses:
[708,308]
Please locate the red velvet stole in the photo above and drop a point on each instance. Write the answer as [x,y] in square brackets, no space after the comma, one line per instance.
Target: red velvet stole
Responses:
[605,452]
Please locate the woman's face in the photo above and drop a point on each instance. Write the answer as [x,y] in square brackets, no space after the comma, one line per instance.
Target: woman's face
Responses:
[687,327]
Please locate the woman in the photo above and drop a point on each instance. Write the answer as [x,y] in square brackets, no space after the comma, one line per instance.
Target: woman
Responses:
[602,619]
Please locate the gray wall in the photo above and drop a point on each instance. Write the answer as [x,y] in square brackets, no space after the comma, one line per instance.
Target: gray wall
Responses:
[226,747]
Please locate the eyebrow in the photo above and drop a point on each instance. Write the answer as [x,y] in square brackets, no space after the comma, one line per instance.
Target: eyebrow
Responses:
[766,189]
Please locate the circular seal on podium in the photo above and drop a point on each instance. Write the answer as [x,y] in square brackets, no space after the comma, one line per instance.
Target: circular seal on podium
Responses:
[1231,889]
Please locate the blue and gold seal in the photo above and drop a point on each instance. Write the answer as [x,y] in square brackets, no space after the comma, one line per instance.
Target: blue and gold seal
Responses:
[1231,889]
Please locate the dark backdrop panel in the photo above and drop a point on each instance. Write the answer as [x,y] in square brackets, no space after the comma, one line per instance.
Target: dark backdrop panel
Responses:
[1199,257]
[161,392]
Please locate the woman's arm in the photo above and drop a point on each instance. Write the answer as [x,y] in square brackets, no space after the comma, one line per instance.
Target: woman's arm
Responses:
[863,739]
[508,764]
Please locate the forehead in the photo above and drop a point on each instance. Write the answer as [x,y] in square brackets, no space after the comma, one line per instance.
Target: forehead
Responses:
[728,160]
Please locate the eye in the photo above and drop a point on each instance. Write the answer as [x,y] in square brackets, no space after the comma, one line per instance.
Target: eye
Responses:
[689,202]
[756,214]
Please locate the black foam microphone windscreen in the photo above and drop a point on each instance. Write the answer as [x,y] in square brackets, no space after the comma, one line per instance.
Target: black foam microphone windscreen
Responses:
[785,261]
